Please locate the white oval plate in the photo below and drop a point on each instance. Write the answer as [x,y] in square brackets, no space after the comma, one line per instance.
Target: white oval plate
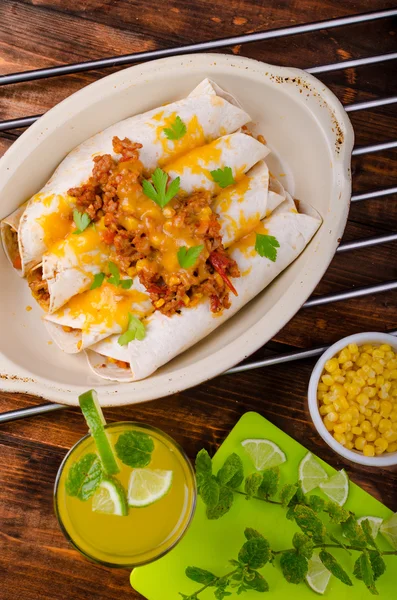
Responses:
[303,123]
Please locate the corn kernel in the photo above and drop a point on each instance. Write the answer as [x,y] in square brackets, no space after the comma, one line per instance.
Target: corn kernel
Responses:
[174,280]
[344,356]
[349,436]
[378,353]
[340,428]
[186,300]
[327,379]
[380,380]
[393,416]
[357,430]
[355,422]
[359,443]
[368,412]
[333,417]
[369,450]
[367,348]
[394,426]
[347,365]
[346,417]
[360,381]
[159,303]
[392,364]
[322,387]
[373,405]
[348,426]
[385,347]
[362,399]
[366,426]
[353,348]
[323,410]
[371,381]
[390,436]
[331,365]
[386,374]
[320,395]
[384,425]
[392,447]
[362,409]
[377,367]
[376,419]
[341,438]
[393,374]
[361,418]
[371,435]
[327,399]
[349,445]
[370,391]
[380,445]
[385,407]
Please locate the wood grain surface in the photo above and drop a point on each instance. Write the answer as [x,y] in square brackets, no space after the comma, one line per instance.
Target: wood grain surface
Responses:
[36,562]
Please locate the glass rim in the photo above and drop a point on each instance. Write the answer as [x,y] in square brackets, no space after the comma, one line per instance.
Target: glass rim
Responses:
[168,548]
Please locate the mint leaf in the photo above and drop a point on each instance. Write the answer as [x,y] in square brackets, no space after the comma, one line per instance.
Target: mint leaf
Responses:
[257,583]
[334,567]
[309,523]
[200,575]
[203,463]
[125,284]
[266,246]
[84,477]
[255,553]
[177,129]
[287,493]
[134,449]
[135,331]
[269,484]
[209,491]
[377,563]
[223,506]
[353,532]
[336,513]
[188,257]
[252,483]
[252,533]
[363,567]
[231,467]
[316,503]
[98,280]
[366,527]
[294,566]
[304,544]
[81,220]
[114,271]
[157,191]
[223,177]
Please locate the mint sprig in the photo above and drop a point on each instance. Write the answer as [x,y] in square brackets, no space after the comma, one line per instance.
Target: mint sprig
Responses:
[84,477]
[134,449]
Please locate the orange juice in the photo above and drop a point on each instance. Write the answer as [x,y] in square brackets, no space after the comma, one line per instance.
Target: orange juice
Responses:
[145,533]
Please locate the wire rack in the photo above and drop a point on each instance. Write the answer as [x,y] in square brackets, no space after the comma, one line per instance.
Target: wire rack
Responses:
[128,59]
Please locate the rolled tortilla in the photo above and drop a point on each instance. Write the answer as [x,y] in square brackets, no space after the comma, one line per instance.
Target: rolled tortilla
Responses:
[237,151]
[9,237]
[166,337]
[206,114]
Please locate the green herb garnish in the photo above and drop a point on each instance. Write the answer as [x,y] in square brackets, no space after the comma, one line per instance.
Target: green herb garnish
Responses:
[223,177]
[115,278]
[157,189]
[98,280]
[176,131]
[135,331]
[218,493]
[188,257]
[82,220]
[266,246]
[134,448]
[84,477]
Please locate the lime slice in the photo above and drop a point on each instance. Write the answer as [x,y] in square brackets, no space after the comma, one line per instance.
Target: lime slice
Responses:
[337,487]
[147,486]
[263,453]
[317,576]
[389,530]
[109,498]
[311,473]
[96,422]
[374,523]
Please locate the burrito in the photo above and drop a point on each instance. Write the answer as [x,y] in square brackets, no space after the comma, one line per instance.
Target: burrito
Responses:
[286,233]
[201,117]
[69,265]
[9,237]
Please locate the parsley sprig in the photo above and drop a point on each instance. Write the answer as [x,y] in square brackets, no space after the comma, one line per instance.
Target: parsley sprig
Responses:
[157,189]
[81,220]
[266,246]
[188,257]
[177,129]
[223,177]
[114,278]
[135,331]
[218,493]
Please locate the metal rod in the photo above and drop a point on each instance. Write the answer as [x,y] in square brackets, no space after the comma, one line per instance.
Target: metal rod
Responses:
[32,411]
[374,148]
[370,104]
[355,62]
[375,240]
[190,48]
[374,194]
[348,294]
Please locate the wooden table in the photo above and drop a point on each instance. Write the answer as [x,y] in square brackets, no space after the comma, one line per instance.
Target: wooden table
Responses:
[35,560]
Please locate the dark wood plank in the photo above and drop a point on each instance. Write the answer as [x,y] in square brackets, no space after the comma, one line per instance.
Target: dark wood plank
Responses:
[35,560]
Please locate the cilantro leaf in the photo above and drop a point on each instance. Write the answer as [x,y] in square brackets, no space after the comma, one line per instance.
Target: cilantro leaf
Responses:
[294,566]
[200,575]
[157,191]
[81,220]
[223,177]
[255,553]
[98,280]
[266,246]
[135,331]
[188,257]
[223,506]
[125,284]
[231,468]
[209,491]
[84,477]
[177,129]
[134,449]
[115,273]
[269,485]
[334,567]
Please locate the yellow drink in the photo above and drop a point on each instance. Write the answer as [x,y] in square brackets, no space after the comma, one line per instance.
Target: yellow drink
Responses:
[145,533]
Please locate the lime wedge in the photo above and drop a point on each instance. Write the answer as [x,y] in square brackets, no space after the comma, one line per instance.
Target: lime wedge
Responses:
[109,498]
[374,524]
[96,422]
[317,576]
[337,487]
[147,486]
[311,473]
[389,530]
[263,453]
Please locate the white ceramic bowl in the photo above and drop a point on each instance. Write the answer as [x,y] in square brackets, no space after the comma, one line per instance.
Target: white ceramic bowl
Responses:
[311,138]
[385,460]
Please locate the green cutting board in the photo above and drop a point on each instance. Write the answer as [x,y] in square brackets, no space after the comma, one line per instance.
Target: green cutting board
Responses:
[210,544]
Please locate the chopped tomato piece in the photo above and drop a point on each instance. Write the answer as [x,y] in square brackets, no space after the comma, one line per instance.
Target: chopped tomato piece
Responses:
[17,263]
[220,262]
